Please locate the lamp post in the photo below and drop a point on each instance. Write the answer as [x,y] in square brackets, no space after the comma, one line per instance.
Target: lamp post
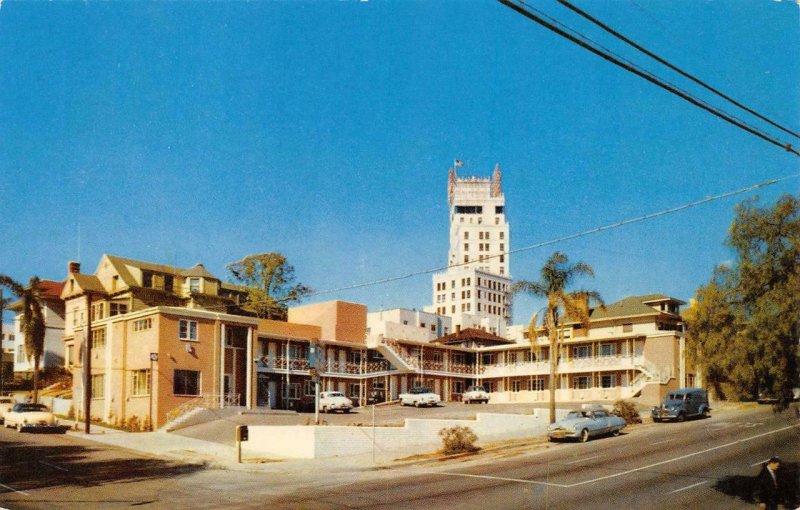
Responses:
[153,358]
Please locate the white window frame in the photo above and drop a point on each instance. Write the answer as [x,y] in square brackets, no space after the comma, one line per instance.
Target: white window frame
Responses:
[98,386]
[611,378]
[137,390]
[611,354]
[309,388]
[187,330]
[578,380]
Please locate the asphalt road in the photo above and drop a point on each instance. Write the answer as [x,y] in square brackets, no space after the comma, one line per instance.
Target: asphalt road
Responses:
[698,464]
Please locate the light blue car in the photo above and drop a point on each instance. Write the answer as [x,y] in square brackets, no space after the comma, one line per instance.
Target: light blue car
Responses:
[584,424]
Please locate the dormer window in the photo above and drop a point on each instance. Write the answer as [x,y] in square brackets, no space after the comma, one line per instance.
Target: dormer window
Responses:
[169,282]
[147,279]
[194,284]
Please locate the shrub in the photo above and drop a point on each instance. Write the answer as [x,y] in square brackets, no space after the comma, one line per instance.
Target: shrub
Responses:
[457,440]
[627,411]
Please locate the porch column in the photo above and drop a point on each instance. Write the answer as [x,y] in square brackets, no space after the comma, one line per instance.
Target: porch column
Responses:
[249,361]
[222,365]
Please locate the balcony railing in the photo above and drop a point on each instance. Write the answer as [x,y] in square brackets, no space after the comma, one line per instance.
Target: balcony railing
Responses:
[353,368]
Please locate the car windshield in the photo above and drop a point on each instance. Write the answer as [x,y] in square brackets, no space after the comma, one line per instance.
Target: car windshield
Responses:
[475,388]
[335,394]
[576,414]
[29,408]
[420,390]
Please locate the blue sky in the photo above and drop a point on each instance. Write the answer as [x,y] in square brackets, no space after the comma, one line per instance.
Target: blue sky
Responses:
[185,132]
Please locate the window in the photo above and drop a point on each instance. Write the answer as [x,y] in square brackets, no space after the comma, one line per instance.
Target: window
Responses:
[169,282]
[466,258]
[147,279]
[480,236]
[97,311]
[354,389]
[142,324]
[114,282]
[140,383]
[308,388]
[458,387]
[186,382]
[498,209]
[118,309]
[466,246]
[608,381]
[581,351]
[292,391]
[98,386]
[627,328]
[20,354]
[194,284]
[187,330]
[608,350]
[437,356]
[581,382]
[502,235]
[516,386]
[422,324]
[99,338]
[536,384]
[466,235]
[70,361]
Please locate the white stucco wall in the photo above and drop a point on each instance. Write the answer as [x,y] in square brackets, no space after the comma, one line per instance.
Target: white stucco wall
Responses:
[414,437]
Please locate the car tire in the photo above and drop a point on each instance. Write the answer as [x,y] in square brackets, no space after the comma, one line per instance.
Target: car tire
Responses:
[584,435]
[657,420]
[706,414]
[416,404]
[681,417]
[550,439]
[347,411]
[19,427]
[615,432]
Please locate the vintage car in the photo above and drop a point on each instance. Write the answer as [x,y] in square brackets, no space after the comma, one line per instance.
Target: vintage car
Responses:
[330,401]
[25,416]
[420,396]
[584,424]
[681,404]
[475,394]
[6,403]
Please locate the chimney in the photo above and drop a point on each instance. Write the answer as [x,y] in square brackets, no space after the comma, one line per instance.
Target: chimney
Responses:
[74,267]
[458,328]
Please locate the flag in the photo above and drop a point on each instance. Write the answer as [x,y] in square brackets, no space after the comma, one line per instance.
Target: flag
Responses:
[458,163]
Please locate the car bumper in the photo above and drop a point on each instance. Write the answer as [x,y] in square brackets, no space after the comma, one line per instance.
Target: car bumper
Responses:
[664,415]
[43,427]
[562,434]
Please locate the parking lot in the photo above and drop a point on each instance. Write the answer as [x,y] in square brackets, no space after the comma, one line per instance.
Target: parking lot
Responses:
[221,424]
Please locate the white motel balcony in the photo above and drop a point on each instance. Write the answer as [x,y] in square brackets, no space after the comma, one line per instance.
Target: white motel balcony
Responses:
[575,365]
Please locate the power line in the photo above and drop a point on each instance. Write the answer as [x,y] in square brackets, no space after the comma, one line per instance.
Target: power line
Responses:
[521,7]
[683,73]
[568,237]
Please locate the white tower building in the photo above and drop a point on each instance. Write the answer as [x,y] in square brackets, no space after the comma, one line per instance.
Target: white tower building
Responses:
[474,291]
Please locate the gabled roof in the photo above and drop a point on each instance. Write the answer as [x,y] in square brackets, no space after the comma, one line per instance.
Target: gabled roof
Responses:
[472,334]
[89,282]
[48,290]
[120,264]
[631,306]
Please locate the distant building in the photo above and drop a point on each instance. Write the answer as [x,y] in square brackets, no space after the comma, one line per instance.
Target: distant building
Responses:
[474,291]
[53,311]
[7,345]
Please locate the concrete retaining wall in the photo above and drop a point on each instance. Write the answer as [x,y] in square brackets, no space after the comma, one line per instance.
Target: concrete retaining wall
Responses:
[414,437]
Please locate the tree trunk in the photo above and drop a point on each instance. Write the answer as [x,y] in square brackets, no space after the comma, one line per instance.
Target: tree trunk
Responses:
[551,331]
[36,379]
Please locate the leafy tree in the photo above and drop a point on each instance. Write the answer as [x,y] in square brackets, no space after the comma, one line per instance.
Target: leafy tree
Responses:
[745,326]
[556,275]
[31,323]
[270,284]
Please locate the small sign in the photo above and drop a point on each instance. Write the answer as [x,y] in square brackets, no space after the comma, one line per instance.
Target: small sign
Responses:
[242,434]
[153,356]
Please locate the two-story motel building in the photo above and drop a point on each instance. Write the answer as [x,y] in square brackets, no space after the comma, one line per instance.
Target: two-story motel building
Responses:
[166,339]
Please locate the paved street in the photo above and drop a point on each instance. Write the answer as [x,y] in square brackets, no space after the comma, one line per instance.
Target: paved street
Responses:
[697,464]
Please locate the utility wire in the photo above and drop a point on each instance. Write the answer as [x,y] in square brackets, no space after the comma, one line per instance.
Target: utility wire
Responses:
[568,237]
[683,73]
[524,9]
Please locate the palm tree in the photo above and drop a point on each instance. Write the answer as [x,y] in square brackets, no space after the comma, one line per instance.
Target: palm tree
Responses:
[31,323]
[556,275]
